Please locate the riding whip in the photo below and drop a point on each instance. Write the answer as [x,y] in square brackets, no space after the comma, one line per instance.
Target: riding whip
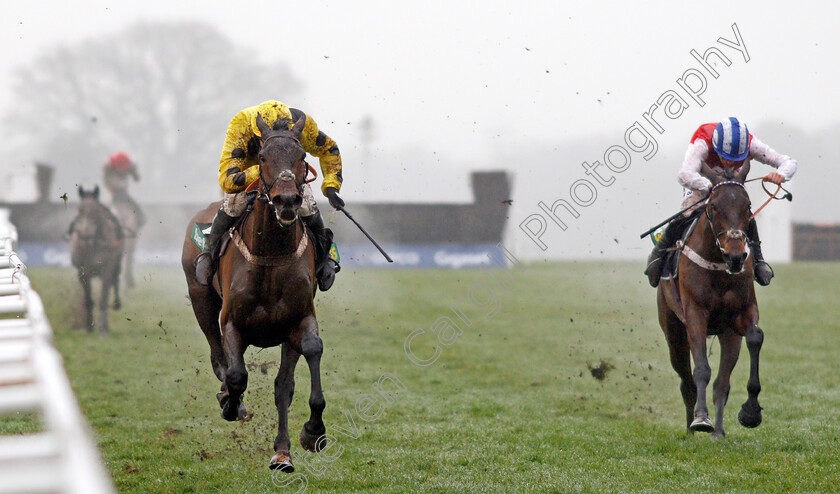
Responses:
[668,219]
[341,208]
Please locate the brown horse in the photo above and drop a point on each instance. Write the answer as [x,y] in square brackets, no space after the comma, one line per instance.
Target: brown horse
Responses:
[263,292]
[96,252]
[714,295]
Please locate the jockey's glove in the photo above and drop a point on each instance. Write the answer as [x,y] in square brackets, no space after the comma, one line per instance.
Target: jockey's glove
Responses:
[335,200]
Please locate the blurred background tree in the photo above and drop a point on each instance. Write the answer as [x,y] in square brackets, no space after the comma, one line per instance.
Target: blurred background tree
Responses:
[161,91]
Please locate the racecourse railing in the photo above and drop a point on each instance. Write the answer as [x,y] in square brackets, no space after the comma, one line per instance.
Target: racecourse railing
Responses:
[62,457]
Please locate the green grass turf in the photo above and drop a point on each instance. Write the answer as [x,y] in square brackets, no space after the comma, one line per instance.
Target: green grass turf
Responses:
[510,406]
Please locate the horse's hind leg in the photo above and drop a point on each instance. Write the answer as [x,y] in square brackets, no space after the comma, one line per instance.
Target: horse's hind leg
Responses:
[681,362]
[312,347]
[236,376]
[730,348]
[206,306]
[284,387]
[103,308]
[116,285]
[750,414]
[128,262]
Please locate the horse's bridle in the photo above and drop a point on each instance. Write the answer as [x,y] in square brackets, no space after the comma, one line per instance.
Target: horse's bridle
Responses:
[284,175]
[732,233]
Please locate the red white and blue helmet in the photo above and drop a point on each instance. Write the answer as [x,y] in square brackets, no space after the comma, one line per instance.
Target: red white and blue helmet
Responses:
[731,139]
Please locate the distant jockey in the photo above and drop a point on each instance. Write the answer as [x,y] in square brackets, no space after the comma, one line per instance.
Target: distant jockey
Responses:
[239,167]
[732,144]
[117,171]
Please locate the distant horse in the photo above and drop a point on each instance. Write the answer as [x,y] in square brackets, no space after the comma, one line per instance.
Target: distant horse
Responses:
[132,220]
[263,292]
[714,295]
[96,252]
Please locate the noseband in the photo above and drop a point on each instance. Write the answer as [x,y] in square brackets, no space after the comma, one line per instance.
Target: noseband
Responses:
[732,233]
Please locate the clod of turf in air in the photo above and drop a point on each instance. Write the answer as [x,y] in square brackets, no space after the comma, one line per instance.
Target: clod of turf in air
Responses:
[600,372]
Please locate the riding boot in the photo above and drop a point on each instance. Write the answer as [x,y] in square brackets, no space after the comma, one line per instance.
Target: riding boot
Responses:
[325,266]
[656,259]
[204,265]
[762,271]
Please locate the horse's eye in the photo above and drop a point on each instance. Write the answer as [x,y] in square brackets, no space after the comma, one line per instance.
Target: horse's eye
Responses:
[712,207]
[262,159]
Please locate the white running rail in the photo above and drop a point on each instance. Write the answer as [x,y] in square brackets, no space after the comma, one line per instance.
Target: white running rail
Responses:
[63,458]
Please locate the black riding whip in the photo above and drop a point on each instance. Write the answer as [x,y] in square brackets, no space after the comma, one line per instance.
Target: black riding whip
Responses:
[341,208]
[668,219]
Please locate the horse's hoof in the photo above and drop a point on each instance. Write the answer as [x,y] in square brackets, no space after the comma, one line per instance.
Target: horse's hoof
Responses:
[749,419]
[242,413]
[117,305]
[281,461]
[229,413]
[702,424]
[312,441]
[718,435]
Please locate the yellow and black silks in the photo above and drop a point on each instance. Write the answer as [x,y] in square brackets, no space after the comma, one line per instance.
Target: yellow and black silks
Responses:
[238,164]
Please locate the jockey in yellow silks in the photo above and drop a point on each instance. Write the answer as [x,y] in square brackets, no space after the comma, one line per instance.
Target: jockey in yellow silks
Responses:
[239,167]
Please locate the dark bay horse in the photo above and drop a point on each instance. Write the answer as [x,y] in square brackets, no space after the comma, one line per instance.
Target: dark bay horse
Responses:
[715,296]
[96,252]
[263,292]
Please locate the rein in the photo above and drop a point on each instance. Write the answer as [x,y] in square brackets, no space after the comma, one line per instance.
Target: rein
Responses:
[779,187]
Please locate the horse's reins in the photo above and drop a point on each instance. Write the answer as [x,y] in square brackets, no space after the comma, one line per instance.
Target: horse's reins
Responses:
[779,187]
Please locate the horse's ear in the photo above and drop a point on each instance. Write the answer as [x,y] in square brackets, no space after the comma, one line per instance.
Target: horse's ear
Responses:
[297,130]
[712,175]
[264,128]
[96,192]
[742,172]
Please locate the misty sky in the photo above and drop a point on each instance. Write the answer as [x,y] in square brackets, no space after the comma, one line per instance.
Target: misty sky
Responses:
[455,86]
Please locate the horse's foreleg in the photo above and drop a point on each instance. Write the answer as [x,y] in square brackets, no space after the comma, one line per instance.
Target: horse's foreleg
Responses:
[750,414]
[236,376]
[284,387]
[697,332]
[88,302]
[730,348]
[312,347]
